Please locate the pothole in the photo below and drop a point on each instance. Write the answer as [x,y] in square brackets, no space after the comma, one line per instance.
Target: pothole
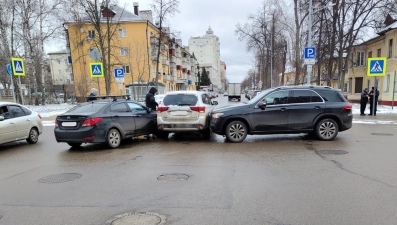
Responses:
[173,177]
[332,152]
[60,178]
[382,134]
[140,218]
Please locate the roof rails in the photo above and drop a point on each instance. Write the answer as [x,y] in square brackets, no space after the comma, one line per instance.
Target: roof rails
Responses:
[113,97]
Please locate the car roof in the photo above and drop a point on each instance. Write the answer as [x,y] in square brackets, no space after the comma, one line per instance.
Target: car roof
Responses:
[9,103]
[185,92]
[304,87]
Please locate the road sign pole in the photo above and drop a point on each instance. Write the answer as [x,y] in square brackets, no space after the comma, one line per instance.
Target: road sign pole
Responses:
[309,41]
[394,88]
[20,91]
[12,82]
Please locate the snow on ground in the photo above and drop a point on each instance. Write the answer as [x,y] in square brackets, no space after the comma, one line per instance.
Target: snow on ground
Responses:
[56,109]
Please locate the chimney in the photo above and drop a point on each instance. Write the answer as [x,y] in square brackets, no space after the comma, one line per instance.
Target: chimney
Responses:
[136,8]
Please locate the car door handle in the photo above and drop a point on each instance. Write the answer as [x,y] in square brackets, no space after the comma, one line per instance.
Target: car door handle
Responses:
[283,109]
[317,107]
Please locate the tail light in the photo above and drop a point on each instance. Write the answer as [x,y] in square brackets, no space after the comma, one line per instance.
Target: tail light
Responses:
[347,107]
[39,116]
[162,108]
[56,123]
[91,122]
[199,109]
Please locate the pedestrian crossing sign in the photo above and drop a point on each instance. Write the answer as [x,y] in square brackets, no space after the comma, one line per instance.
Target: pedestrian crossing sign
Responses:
[96,69]
[18,67]
[376,67]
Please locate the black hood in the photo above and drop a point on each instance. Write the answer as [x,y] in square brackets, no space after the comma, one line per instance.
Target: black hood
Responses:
[153,90]
[230,107]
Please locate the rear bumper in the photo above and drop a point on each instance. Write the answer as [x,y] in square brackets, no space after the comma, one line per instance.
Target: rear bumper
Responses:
[89,135]
[346,126]
[181,127]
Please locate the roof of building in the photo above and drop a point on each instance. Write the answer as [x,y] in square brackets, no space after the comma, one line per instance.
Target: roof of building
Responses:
[60,52]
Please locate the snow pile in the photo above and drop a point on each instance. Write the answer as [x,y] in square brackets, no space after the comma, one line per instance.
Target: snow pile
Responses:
[50,109]
[382,109]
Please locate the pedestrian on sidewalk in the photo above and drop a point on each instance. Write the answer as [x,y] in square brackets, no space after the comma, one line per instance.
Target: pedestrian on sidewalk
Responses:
[371,101]
[92,96]
[363,101]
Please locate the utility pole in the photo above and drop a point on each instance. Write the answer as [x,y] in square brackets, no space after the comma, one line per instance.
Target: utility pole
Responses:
[309,40]
[271,53]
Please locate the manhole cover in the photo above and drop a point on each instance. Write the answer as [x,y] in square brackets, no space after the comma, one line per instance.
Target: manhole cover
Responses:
[332,152]
[142,218]
[173,177]
[382,134]
[60,178]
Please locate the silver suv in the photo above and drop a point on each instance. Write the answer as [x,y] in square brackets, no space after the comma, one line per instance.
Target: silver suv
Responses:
[185,111]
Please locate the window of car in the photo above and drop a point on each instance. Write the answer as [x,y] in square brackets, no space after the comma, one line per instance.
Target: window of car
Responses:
[16,111]
[136,108]
[180,99]
[304,96]
[87,107]
[331,95]
[119,107]
[27,111]
[206,99]
[277,98]
[4,112]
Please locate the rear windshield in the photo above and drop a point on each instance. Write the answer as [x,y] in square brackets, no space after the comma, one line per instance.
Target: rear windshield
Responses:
[180,99]
[87,108]
[331,95]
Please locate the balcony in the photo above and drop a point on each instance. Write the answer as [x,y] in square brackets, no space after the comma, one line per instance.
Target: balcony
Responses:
[167,77]
[178,67]
[172,51]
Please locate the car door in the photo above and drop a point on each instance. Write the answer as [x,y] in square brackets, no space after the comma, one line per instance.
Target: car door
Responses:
[274,117]
[22,121]
[145,122]
[8,131]
[305,106]
[122,116]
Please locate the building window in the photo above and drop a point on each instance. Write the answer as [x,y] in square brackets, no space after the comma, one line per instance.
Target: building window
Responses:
[359,85]
[390,48]
[122,32]
[91,34]
[370,54]
[379,53]
[360,58]
[386,83]
[123,51]
[126,69]
[66,61]
[58,61]
[59,72]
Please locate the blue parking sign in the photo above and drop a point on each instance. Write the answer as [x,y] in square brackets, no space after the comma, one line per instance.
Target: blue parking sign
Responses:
[119,73]
[310,52]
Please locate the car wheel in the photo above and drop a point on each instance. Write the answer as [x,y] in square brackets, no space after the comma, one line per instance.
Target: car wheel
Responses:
[236,131]
[114,138]
[75,145]
[207,133]
[33,136]
[162,134]
[327,129]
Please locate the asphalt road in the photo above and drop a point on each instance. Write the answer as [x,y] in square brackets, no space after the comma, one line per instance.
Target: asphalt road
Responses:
[273,179]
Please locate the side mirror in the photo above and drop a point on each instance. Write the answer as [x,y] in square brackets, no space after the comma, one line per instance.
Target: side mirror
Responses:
[1,118]
[214,102]
[262,105]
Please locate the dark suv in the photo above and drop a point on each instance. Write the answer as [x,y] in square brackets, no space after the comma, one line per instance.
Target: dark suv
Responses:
[318,110]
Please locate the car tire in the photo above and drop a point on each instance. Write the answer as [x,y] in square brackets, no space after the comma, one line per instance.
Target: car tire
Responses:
[236,131]
[113,138]
[33,136]
[206,133]
[74,145]
[162,134]
[327,129]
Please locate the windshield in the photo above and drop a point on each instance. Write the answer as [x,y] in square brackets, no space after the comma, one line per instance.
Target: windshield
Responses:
[260,95]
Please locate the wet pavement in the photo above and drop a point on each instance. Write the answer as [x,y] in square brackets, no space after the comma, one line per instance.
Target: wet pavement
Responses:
[271,179]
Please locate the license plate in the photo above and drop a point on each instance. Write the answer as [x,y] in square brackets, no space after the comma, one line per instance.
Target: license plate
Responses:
[69,124]
[178,113]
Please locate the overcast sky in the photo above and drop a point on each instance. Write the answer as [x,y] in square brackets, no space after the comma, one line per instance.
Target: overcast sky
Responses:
[222,15]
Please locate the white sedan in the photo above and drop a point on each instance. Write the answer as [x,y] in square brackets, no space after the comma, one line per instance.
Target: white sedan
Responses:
[18,123]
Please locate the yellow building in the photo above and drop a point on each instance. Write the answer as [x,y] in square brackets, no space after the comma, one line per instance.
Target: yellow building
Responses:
[133,47]
[383,45]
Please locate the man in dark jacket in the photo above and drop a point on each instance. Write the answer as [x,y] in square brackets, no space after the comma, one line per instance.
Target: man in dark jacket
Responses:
[371,101]
[92,97]
[149,100]
[363,101]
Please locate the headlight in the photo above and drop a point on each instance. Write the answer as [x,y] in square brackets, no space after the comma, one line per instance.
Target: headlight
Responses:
[216,115]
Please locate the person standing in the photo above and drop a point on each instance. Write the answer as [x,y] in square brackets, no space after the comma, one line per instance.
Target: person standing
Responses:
[149,100]
[92,96]
[363,101]
[371,101]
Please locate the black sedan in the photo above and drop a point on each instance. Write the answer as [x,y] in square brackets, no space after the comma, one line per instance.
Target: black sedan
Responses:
[105,121]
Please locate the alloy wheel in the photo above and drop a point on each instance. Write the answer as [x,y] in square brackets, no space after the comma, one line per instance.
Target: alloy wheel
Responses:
[327,129]
[236,131]
[114,138]
[33,136]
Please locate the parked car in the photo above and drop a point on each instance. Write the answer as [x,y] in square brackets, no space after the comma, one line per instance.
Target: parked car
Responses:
[318,110]
[225,94]
[105,121]
[185,111]
[159,98]
[19,123]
